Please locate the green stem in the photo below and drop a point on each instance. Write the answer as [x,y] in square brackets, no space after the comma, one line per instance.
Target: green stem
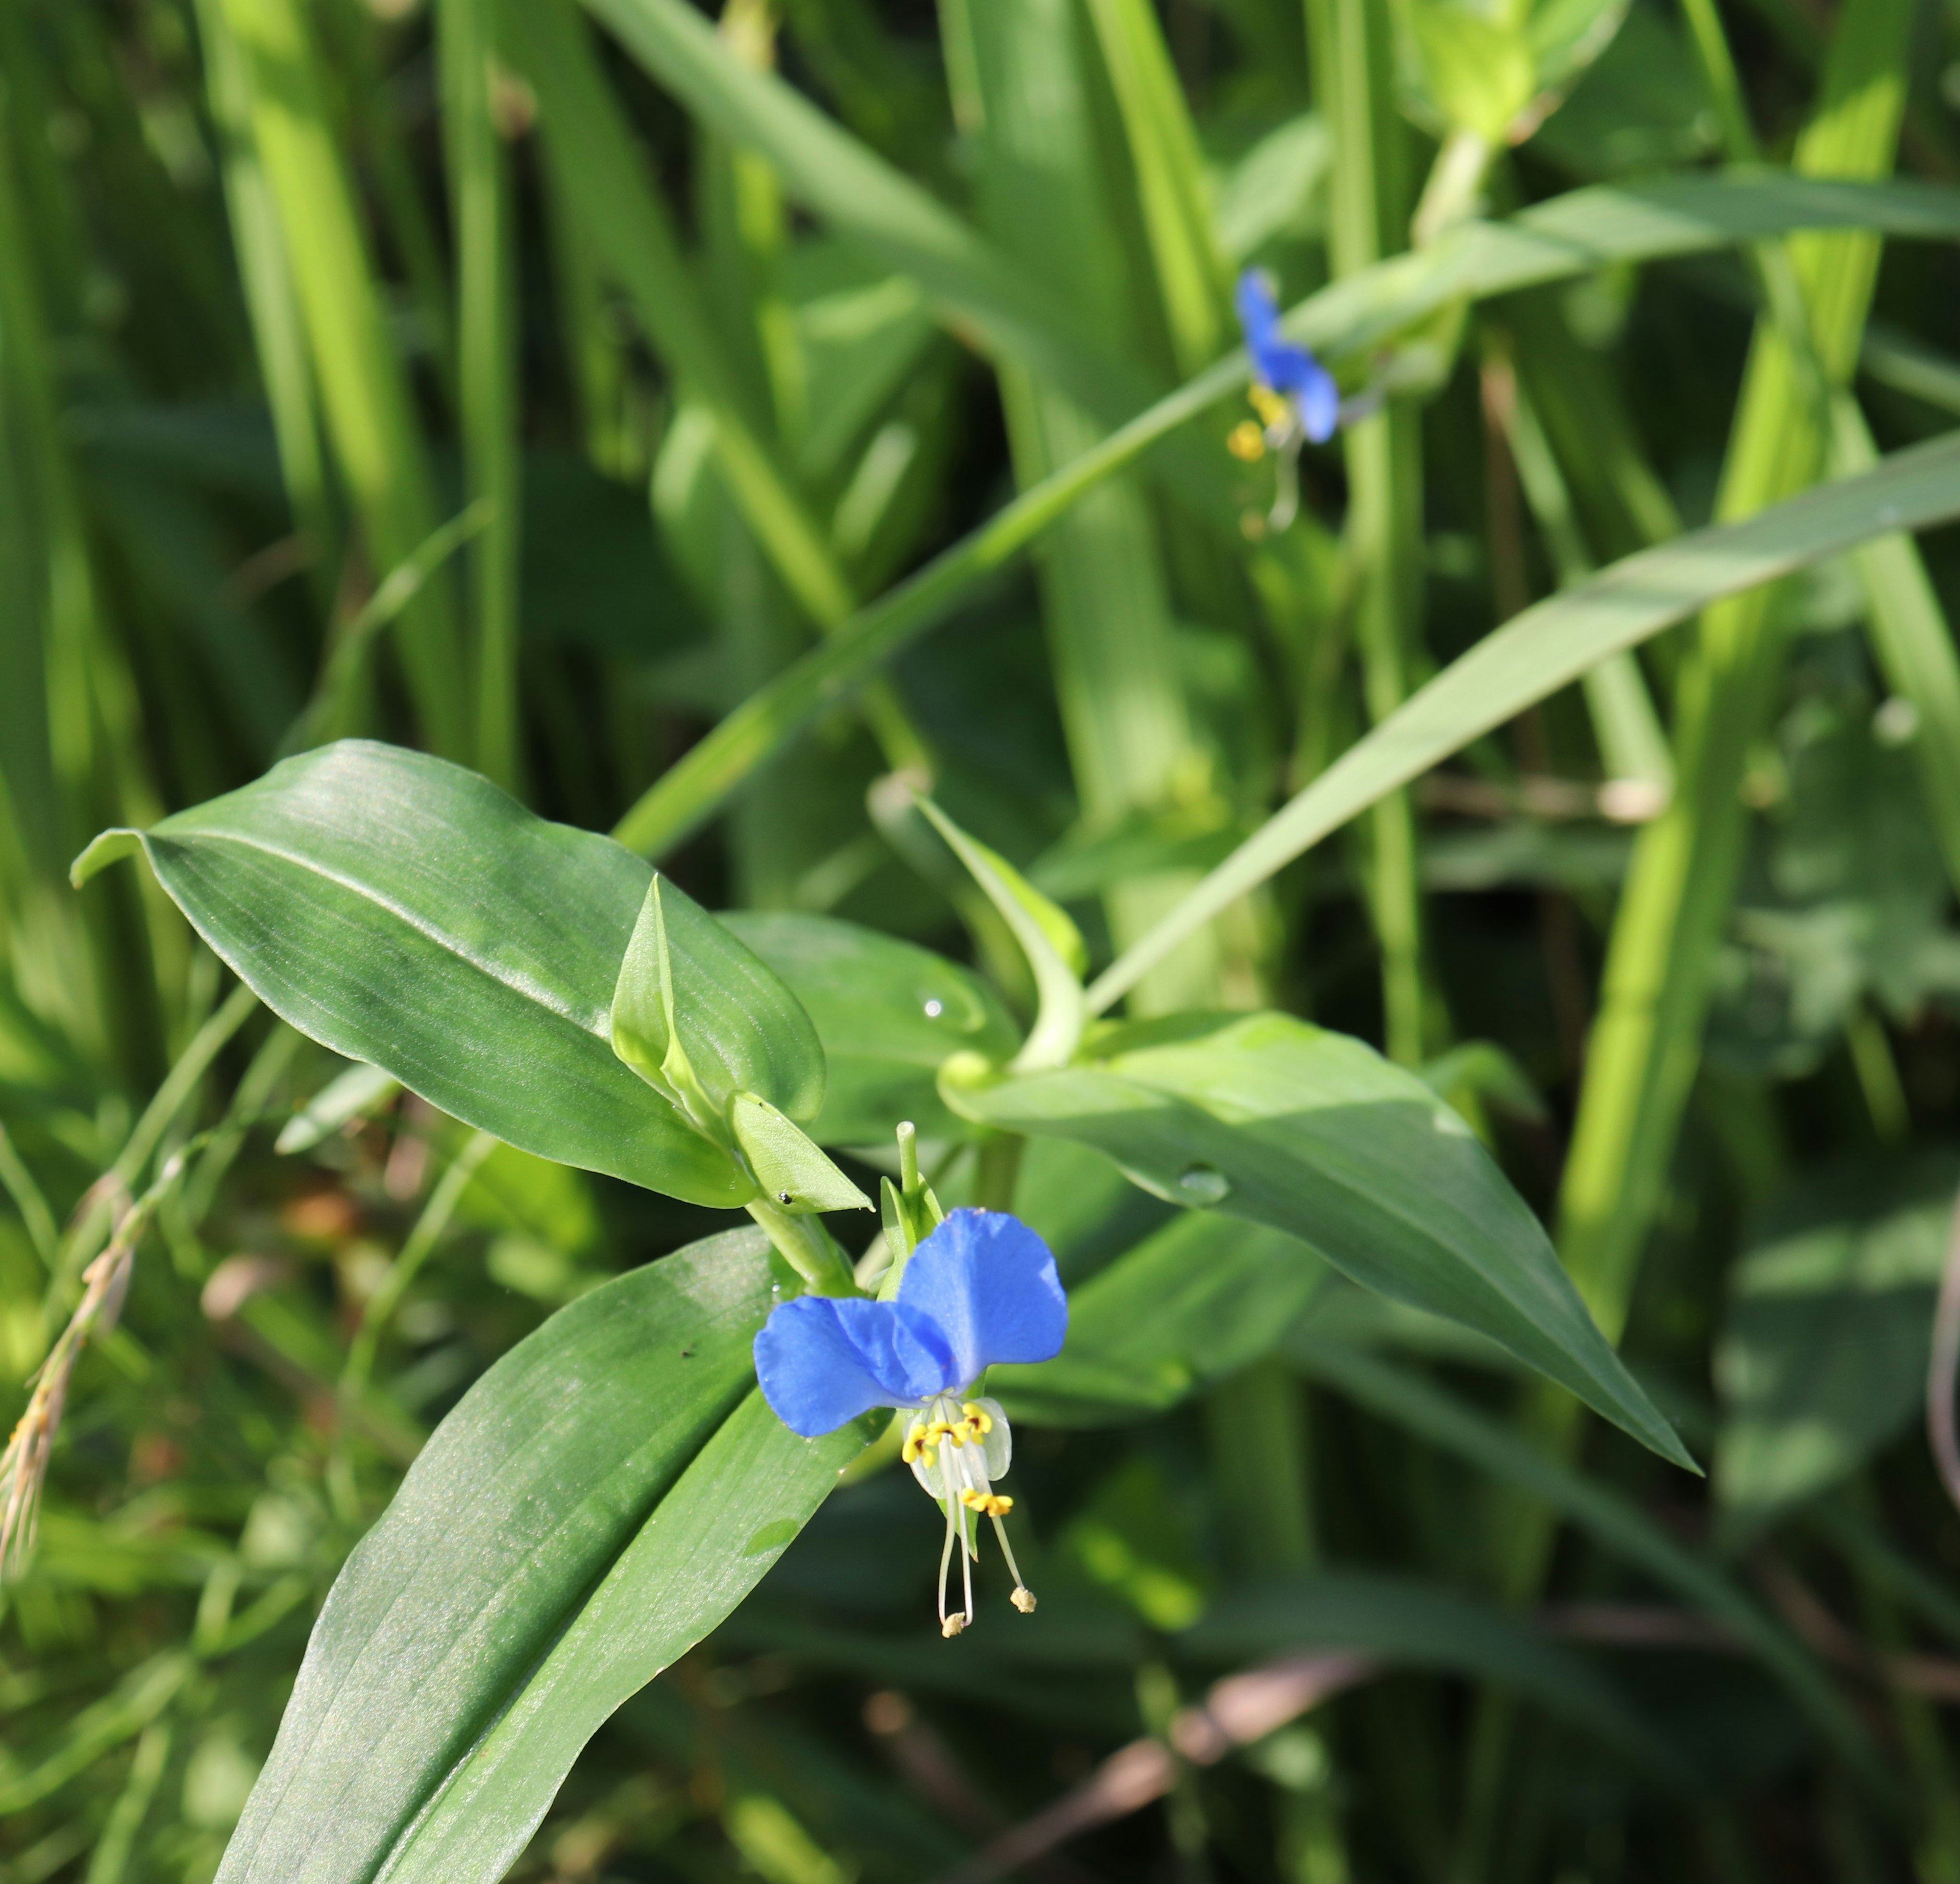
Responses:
[807,1247]
[999,1171]
[486,371]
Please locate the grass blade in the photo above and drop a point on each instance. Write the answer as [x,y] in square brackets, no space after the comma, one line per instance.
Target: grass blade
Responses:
[1551,645]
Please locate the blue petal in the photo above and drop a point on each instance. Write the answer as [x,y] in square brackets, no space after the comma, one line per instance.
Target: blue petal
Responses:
[1319,402]
[1258,313]
[989,1283]
[822,1361]
[1287,368]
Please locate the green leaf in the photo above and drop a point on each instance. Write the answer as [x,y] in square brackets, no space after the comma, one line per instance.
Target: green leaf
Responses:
[1263,1117]
[1199,1300]
[737,1507]
[739,1028]
[890,1015]
[405,912]
[1821,1356]
[591,1508]
[1477,73]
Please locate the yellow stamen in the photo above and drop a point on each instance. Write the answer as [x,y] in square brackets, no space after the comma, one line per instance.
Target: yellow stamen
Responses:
[1246,441]
[1272,409]
[989,1504]
[952,1625]
[1023,1600]
[914,1445]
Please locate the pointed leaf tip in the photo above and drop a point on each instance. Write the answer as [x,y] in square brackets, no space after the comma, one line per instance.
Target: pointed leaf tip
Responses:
[107,848]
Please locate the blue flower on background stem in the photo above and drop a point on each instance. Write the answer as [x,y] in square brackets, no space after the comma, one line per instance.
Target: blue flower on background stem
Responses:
[1293,394]
[981,1288]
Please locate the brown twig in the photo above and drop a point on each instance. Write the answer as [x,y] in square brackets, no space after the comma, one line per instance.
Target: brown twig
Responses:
[1238,1709]
[1940,1369]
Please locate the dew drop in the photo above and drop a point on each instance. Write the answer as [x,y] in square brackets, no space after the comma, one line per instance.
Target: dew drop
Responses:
[933,1009]
[1200,1184]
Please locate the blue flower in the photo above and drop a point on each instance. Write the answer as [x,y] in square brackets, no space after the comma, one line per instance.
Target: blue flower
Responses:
[1311,399]
[981,1288]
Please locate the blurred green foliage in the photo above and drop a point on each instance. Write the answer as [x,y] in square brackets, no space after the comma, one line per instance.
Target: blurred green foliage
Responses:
[534,389]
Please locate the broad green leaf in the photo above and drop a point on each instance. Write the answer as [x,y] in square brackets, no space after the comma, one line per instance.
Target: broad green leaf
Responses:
[624,1430]
[1199,1299]
[1821,1356]
[407,913]
[1263,1117]
[1409,1624]
[752,1487]
[1551,645]
[739,1028]
[890,1015]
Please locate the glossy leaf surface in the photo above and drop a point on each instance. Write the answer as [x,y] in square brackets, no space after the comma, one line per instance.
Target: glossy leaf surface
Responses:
[407,913]
[1266,1118]
[889,1014]
[1201,1298]
[575,1462]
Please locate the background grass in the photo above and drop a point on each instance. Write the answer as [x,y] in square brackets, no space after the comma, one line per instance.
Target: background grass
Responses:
[538,386]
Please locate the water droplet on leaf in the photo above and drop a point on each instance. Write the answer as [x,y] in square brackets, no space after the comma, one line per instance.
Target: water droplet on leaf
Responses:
[1201,1185]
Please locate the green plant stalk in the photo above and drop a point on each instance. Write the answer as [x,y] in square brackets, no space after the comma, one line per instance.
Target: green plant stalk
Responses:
[369,413]
[588,143]
[1479,261]
[109,1862]
[486,374]
[1193,279]
[807,1247]
[73,755]
[1406,1398]
[1348,39]
[379,1309]
[1910,636]
[1645,1045]
[1937,1844]
[1632,742]
[1106,601]
[278,330]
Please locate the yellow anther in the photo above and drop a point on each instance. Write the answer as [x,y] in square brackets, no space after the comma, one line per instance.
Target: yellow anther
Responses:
[952,1625]
[914,1444]
[1272,409]
[1246,440]
[978,1420]
[1023,1600]
[987,1504]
